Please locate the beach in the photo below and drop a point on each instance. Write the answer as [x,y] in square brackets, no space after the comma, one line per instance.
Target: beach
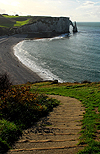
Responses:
[18,73]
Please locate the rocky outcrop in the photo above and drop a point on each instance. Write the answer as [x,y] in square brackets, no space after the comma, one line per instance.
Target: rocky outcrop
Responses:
[75,28]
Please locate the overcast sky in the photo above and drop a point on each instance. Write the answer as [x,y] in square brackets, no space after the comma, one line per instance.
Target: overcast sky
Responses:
[77,10]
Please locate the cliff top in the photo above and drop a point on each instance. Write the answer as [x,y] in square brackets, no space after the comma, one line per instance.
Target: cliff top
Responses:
[9,21]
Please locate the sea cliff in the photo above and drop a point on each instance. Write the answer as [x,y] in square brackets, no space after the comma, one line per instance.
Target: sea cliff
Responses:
[48,24]
[45,27]
[35,25]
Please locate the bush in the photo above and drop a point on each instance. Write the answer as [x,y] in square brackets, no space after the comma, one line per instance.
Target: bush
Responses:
[9,133]
[19,105]
[3,146]
[4,83]
[19,109]
[86,81]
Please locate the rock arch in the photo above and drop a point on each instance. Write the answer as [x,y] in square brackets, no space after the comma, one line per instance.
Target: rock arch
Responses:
[74,26]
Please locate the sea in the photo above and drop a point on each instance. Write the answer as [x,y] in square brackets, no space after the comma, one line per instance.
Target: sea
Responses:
[66,58]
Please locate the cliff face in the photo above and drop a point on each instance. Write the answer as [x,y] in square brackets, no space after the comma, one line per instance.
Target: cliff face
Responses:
[47,24]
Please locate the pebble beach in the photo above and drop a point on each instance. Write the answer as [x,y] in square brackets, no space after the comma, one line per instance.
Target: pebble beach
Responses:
[18,73]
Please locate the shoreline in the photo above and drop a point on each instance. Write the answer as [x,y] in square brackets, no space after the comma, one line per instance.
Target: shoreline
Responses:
[46,75]
[9,63]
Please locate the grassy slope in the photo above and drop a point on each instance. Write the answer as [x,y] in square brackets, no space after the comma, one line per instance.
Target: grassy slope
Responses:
[5,22]
[17,21]
[89,95]
[13,21]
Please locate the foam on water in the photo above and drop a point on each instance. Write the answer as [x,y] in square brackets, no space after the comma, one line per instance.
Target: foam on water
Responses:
[53,38]
[25,58]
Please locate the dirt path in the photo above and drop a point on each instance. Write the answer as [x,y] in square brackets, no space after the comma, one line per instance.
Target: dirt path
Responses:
[58,133]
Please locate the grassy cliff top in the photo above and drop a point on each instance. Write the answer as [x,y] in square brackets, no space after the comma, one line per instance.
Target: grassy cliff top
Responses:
[9,21]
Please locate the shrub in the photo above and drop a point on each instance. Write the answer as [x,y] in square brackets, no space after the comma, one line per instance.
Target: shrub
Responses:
[4,83]
[18,104]
[9,133]
[86,81]
[19,109]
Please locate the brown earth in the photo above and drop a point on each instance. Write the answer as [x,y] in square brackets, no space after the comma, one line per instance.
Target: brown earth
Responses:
[58,133]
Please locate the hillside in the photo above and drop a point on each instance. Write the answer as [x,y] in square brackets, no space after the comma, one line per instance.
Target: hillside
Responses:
[16,21]
[8,22]
[35,104]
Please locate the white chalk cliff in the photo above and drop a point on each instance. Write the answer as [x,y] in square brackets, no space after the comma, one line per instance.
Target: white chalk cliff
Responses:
[48,24]
[51,26]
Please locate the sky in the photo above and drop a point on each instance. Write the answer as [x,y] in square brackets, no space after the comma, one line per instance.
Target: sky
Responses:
[77,10]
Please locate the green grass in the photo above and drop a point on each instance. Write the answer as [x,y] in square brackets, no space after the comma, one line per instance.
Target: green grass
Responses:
[10,21]
[10,16]
[9,132]
[20,109]
[89,95]
[13,21]
[5,22]
[21,23]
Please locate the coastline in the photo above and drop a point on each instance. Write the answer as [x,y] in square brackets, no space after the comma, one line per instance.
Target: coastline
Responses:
[9,63]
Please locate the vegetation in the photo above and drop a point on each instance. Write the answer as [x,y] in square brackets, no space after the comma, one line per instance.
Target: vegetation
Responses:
[10,16]
[21,23]
[89,95]
[22,105]
[19,109]
[4,83]
[10,21]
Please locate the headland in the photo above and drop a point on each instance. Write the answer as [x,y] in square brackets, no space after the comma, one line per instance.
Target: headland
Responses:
[37,27]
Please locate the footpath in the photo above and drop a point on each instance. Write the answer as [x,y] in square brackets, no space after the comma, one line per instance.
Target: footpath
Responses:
[58,133]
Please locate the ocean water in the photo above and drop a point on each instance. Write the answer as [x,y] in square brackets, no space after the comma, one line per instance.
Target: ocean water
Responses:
[72,58]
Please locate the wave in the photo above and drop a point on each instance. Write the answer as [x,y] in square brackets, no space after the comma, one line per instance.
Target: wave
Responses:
[62,36]
[30,62]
